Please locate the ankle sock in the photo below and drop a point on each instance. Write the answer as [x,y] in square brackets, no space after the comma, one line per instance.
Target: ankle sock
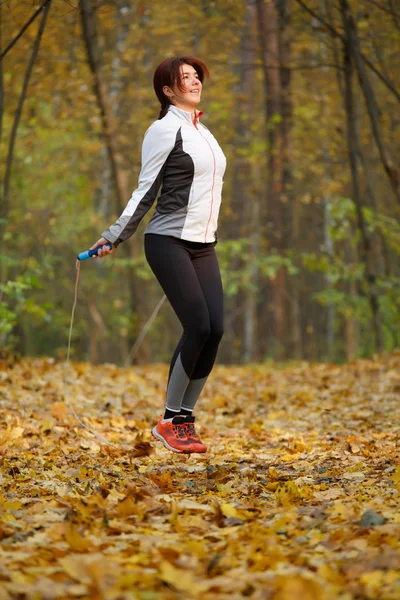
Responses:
[185,412]
[169,414]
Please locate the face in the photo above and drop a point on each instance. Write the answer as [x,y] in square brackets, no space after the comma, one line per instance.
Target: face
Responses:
[189,98]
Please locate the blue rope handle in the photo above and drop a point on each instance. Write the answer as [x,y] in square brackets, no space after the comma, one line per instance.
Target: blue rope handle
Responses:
[89,253]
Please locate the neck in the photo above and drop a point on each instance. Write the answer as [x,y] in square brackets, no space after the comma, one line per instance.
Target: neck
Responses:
[186,108]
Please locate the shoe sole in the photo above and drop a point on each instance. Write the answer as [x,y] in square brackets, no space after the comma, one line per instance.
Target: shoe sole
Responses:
[164,441]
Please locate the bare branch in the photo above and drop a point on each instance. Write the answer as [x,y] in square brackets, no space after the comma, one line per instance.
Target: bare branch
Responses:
[18,112]
[389,84]
[383,8]
[25,27]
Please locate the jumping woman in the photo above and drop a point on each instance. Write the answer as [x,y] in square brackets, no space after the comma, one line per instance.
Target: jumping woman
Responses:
[181,156]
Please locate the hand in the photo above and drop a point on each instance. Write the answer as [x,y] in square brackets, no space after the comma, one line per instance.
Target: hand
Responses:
[104,251]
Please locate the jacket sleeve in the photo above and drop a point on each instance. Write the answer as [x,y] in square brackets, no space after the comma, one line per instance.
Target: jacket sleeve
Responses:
[159,140]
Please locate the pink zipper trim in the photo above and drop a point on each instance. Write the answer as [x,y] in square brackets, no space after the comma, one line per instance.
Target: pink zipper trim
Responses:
[213,183]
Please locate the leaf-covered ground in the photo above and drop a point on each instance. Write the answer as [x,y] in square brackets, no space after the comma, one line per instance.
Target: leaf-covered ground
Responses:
[297,497]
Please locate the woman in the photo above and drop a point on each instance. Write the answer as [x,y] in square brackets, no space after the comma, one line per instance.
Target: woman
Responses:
[183,157]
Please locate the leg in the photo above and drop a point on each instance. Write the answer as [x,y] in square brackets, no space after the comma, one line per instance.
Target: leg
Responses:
[171,263]
[208,274]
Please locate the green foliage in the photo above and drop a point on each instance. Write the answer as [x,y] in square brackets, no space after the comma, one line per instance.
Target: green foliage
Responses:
[17,302]
[243,264]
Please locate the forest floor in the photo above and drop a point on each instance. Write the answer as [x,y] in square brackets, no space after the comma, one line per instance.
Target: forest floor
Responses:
[297,498]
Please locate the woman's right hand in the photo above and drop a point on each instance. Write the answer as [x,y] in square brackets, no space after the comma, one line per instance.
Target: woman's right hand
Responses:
[104,251]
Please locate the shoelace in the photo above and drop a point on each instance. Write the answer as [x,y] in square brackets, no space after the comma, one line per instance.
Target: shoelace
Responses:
[191,431]
[179,431]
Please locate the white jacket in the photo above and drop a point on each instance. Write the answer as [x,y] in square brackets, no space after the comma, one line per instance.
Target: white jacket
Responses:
[186,160]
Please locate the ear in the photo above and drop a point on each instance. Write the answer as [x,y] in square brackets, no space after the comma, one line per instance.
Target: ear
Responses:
[167,91]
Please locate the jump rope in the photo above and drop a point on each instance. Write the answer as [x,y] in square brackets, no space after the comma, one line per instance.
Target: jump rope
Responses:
[81,257]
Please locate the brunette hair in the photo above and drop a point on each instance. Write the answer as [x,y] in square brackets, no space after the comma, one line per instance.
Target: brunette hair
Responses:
[169,72]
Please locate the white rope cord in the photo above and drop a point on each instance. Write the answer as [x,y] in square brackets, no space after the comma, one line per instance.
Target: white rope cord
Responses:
[101,439]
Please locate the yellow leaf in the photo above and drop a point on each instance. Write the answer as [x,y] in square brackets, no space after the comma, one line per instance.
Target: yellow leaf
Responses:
[88,569]
[90,445]
[179,579]
[127,507]
[331,494]
[330,574]
[229,511]
[12,505]
[16,433]
[59,410]
[75,540]
[273,474]
[342,511]
[47,425]
[5,436]
[296,587]
[288,493]
[373,579]
[396,477]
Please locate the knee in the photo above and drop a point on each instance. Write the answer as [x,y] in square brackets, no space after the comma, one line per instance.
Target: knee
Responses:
[200,331]
[217,333]
[203,332]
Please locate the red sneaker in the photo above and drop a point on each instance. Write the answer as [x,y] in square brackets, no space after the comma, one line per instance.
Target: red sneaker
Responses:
[173,435]
[195,443]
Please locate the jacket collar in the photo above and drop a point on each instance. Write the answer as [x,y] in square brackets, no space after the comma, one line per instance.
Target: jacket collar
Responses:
[183,114]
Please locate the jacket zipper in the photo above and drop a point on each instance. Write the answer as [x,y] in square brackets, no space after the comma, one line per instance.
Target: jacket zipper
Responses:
[213,183]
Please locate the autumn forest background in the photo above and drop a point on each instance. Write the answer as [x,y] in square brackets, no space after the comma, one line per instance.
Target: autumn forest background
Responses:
[297,496]
[304,100]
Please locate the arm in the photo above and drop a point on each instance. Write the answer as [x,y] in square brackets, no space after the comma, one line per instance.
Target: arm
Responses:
[158,142]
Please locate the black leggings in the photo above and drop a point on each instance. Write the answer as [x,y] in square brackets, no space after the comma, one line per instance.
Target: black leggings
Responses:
[189,274]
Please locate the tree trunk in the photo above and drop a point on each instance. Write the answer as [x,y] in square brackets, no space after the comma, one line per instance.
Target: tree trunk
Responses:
[392,172]
[370,277]
[268,20]
[245,199]
[290,205]
[89,25]
[250,338]
[326,196]
[352,330]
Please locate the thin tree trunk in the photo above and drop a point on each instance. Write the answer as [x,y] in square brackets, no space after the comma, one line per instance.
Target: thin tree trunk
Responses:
[7,178]
[268,20]
[245,198]
[354,326]
[326,196]
[328,243]
[290,205]
[352,330]
[370,277]
[250,310]
[88,16]
[89,25]
[370,100]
